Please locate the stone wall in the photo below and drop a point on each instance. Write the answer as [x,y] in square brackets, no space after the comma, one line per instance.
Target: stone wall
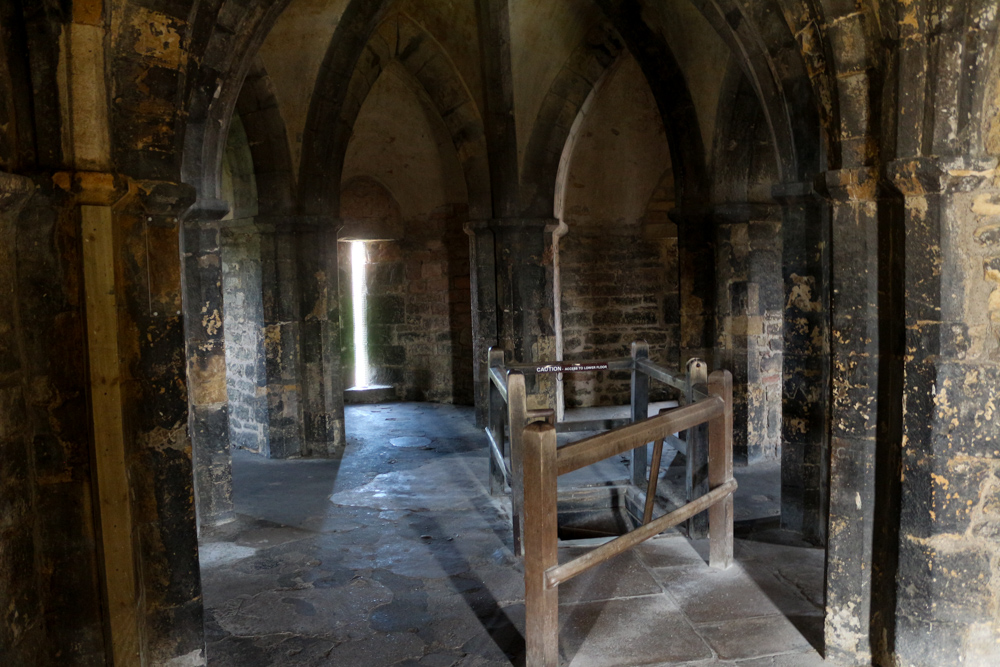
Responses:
[246,378]
[750,341]
[419,318]
[948,583]
[243,302]
[617,287]
[618,262]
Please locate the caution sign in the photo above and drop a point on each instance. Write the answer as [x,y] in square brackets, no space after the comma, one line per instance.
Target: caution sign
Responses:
[572,368]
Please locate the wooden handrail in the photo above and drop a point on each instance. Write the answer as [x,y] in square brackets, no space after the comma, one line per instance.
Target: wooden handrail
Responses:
[645,365]
[499,379]
[508,412]
[661,374]
[596,448]
[563,573]
[497,455]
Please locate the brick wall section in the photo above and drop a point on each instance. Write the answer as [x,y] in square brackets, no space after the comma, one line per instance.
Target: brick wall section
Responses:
[246,379]
[419,317]
[617,286]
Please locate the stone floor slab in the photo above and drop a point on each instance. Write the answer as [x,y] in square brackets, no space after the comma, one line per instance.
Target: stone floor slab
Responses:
[622,576]
[626,633]
[741,638]
[707,595]
[411,565]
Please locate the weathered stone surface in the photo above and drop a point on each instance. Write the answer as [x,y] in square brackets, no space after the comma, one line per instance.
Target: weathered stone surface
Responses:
[417,563]
[48,565]
[882,329]
[749,316]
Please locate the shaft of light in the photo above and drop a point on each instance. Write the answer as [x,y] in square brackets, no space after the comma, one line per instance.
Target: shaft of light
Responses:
[358,261]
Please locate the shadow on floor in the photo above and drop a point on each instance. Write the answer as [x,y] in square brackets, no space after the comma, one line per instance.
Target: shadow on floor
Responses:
[396,555]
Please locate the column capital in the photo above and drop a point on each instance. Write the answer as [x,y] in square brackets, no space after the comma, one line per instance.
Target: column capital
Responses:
[850,185]
[207,212]
[798,193]
[164,203]
[737,212]
[473,227]
[920,176]
[251,224]
[93,188]
[544,225]
[688,215]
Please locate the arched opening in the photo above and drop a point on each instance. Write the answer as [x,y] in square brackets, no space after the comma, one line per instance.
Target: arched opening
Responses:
[403,194]
[618,257]
[395,117]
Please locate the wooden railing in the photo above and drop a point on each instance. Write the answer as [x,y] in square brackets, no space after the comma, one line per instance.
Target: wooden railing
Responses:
[509,414]
[544,462]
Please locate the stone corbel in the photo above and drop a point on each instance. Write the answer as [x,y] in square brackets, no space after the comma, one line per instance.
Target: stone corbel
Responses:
[92,188]
[861,184]
[164,203]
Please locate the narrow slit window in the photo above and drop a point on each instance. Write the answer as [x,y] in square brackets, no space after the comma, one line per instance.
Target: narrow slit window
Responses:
[358,261]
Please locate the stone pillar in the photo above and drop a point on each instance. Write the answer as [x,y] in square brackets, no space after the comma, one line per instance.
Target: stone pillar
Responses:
[282,335]
[22,638]
[524,295]
[482,272]
[805,445]
[696,255]
[948,580]
[749,302]
[205,338]
[319,321]
[460,317]
[854,414]
[48,565]
[154,400]
[246,374]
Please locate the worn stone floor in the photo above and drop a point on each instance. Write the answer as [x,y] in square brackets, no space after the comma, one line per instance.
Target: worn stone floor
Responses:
[397,555]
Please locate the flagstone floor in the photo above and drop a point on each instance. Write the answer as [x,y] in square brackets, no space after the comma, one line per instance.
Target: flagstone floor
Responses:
[396,555]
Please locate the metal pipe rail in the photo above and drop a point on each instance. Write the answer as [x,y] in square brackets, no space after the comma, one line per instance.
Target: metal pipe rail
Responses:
[544,463]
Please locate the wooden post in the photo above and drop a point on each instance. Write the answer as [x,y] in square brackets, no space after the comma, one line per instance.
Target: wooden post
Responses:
[541,604]
[640,410]
[496,415]
[697,449]
[517,416]
[720,471]
[110,466]
[654,473]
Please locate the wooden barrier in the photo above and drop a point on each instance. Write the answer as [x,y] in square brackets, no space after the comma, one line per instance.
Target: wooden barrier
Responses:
[542,464]
[509,415]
